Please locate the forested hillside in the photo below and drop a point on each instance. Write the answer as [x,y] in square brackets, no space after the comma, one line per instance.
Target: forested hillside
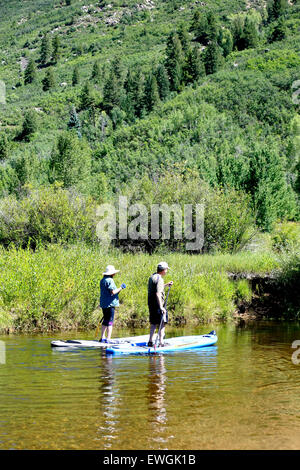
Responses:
[118,96]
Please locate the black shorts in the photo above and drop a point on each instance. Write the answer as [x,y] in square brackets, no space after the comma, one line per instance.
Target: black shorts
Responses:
[155,315]
[108,316]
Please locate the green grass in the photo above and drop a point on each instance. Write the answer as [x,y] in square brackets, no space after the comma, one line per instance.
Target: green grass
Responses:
[58,288]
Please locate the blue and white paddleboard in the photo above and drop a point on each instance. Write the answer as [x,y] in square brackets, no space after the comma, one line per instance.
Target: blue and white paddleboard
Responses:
[179,343]
[77,343]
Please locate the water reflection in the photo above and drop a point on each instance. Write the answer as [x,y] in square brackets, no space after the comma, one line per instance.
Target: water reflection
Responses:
[157,389]
[109,402]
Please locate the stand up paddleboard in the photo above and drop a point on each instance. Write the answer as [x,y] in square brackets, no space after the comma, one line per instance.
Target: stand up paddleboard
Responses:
[74,343]
[171,344]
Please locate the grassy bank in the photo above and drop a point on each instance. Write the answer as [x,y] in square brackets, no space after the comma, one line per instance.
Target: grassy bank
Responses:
[58,288]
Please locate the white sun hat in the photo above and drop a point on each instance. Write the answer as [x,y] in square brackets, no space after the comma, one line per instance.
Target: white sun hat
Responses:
[110,269]
[162,265]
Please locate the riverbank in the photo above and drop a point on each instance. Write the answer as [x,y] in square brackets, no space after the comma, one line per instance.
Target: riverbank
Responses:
[57,288]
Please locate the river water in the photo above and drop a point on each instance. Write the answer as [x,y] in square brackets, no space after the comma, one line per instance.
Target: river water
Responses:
[242,393]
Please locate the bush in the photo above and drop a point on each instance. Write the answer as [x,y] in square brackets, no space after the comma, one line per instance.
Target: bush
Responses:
[47,215]
[286,236]
[227,213]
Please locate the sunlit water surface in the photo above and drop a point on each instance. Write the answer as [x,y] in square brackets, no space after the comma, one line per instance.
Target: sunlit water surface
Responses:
[241,394]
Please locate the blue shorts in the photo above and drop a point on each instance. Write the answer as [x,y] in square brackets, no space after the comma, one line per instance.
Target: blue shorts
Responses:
[108,314]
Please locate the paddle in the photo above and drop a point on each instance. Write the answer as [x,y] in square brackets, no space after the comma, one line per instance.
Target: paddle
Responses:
[162,318]
[98,327]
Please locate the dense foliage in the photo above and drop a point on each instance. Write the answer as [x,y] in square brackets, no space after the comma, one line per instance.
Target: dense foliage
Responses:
[102,95]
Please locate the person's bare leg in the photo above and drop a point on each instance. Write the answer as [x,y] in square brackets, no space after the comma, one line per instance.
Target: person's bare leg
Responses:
[109,331]
[162,335]
[103,331]
[152,330]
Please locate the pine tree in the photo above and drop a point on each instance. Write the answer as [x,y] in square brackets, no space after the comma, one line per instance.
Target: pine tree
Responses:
[212,27]
[30,72]
[49,80]
[162,82]
[226,41]
[184,38]
[75,76]
[129,95]
[151,97]
[29,125]
[139,106]
[194,67]
[279,31]
[70,160]
[201,29]
[111,92]
[250,35]
[276,8]
[118,69]
[74,121]
[237,32]
[195,21]
[87,99]
[45,50]
[212,58]
[174,61]
[4,147]
[55,49]
[96,72]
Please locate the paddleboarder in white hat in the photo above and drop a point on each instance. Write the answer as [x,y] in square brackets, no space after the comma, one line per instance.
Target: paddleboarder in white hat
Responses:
[109,299]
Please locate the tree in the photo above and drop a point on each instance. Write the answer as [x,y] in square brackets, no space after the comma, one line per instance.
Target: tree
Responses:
[118,69]
[279,31]
[49,80]
[195,21]
[151,92]
[212,27]
[117,116]
[174,61]
[237,27]
[74,121]
[4,147]
[184,37]
[249,37]
[276,8]
[200,25]
[212,57]
[55,49]
[29,126]
[139,106]
[194,67]
[70,160]
[267,183]
[226,41]
[30,72]
[75,76]
[45,51]
[128,100]
[111,92]
[162,82]
[87,98]
[96,72]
